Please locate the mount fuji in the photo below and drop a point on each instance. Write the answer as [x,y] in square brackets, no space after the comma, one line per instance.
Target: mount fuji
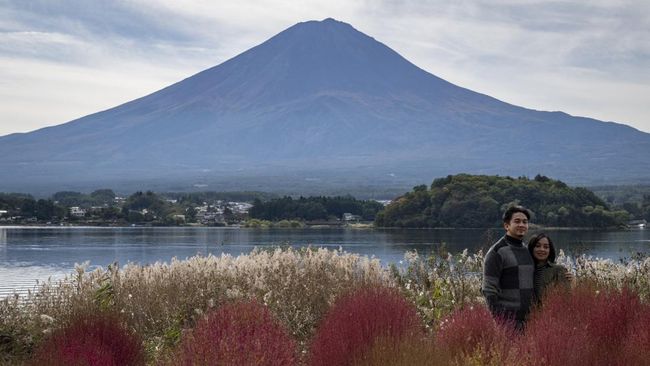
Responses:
[319,103]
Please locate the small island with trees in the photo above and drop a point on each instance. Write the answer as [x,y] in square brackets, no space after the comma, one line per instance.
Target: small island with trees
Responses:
[475,201]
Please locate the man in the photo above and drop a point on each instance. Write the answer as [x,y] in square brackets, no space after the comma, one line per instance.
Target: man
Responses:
[508,270]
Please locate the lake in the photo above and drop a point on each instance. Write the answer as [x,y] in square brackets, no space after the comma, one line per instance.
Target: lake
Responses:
[31,253]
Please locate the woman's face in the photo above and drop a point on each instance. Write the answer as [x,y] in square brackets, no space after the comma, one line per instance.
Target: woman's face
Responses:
[542,250]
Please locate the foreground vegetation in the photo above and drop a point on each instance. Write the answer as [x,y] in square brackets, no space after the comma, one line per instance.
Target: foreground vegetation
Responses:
[292,297]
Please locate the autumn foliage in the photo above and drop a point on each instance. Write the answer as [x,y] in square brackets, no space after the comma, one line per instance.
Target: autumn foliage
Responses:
[356,321]
[240,333]
[92,339]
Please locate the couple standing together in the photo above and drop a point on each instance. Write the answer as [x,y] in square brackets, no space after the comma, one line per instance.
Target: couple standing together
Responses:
[515,275]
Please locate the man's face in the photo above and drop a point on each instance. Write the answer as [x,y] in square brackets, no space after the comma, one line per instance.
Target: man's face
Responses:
[517,227]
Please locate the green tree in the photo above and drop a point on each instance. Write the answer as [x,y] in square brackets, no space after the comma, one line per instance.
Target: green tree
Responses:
[69,198]
[312,208]
[103,197]
[465,200]
[149,205]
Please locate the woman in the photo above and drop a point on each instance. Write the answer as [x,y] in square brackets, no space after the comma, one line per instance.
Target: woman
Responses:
[547,273]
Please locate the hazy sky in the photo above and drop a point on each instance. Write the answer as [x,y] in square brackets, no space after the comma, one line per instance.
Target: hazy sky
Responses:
[64,59]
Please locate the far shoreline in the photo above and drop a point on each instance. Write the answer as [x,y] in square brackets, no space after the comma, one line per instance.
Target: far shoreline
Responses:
[358,226]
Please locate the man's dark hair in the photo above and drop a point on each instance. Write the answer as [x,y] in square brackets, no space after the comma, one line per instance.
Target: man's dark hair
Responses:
[507,216]
[551,247]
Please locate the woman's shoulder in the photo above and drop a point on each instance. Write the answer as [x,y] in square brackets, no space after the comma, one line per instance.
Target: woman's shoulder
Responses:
[557,267]
[558,271]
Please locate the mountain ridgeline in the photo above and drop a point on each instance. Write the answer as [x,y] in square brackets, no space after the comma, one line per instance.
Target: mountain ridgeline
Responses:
[479,200]
[318,105]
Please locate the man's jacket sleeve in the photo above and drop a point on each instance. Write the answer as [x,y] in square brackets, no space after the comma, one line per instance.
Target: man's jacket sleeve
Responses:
[492,267]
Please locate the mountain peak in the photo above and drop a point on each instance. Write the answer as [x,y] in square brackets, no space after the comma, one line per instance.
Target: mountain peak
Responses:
[314,30]
[327,22]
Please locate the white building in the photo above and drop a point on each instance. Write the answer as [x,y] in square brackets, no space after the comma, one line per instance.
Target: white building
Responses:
[77,211]
[348,217]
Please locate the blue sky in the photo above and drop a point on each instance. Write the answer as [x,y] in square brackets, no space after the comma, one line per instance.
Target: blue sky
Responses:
[61,60]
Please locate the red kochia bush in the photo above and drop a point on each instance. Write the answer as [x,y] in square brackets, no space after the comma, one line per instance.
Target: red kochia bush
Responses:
[241,333]
[636,349]
[410,351]
[359,319]
[586,326]
[471,331]
[94,339]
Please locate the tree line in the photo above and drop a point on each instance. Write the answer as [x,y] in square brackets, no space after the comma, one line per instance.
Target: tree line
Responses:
[461,200]
[313,208]
[24,205]
[104,206]
[465,200]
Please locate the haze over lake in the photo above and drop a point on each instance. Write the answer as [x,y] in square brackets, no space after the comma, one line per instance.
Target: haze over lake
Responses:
[31,253]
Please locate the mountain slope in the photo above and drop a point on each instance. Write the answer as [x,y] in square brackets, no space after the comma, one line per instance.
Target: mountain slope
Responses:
[320,97]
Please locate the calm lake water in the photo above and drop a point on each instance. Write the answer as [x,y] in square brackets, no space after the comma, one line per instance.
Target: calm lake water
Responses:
[31,253]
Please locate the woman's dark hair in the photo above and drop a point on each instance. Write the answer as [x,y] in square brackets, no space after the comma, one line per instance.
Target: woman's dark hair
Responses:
[551,247]
[507,216]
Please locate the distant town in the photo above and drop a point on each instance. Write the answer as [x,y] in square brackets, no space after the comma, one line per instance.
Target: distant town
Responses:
[105,208]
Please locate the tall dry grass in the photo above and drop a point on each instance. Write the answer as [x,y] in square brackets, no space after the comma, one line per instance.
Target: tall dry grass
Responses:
[441,282]
[25,321]
[632,272]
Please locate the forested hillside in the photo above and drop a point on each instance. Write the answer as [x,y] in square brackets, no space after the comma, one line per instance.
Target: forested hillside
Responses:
[478,201]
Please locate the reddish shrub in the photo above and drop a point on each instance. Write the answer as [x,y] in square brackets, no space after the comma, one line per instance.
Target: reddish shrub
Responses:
[636,349]
[556,335]
[94,339]
[408,351]
[585,326]
[472,332]
[357,320]
[242,333]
